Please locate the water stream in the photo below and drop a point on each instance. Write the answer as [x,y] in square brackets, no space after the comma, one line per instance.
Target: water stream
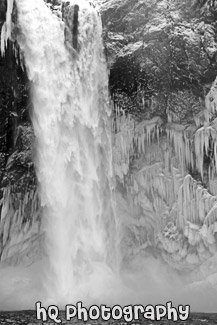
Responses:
[71,120]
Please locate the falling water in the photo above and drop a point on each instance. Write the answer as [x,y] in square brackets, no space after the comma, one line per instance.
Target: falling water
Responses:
[72,128]
[71,118]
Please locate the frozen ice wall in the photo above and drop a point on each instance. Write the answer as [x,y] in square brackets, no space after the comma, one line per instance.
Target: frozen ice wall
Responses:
[169,189]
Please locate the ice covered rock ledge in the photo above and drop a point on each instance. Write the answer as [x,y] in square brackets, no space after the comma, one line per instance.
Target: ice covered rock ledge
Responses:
[162,56]
[20,209]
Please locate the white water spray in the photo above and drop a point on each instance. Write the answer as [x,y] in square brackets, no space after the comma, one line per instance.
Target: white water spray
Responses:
[72,128]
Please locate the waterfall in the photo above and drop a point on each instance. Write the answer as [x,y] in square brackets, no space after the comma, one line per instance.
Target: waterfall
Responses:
[71,119]
[165,189]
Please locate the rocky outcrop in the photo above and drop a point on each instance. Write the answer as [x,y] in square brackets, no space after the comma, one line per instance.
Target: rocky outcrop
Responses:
[17,173]
[162,58]
[162,55]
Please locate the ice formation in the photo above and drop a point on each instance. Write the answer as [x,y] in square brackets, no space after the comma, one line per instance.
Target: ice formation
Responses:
[7,27]
[175,213]
[20,227]
[130,139]
[206,141]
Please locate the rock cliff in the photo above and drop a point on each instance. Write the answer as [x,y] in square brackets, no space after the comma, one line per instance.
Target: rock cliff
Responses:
[17,175]
[162,55]
[162,59]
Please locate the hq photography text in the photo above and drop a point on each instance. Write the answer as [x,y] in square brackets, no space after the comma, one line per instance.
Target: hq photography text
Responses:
[129,313]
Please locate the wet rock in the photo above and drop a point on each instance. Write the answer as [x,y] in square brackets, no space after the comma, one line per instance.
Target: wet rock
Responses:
[170,46]
[17,170]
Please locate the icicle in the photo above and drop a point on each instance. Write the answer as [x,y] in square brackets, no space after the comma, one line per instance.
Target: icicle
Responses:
[211,216]
[15,233]
[199,146]
[3,39]
[158,133]
[210,102]
[7,27]
[177,135]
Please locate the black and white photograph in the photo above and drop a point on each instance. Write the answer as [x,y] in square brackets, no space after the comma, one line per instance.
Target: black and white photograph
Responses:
[108,162]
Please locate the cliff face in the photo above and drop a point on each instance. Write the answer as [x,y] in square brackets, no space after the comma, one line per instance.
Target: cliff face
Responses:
[17,175]
[162,59]
[162,55]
